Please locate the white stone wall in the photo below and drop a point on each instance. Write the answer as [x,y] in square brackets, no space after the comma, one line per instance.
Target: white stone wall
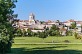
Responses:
[37,30]
[78,28]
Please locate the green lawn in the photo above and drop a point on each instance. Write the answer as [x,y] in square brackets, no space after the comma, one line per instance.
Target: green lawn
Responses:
[23,48]
[71,39]
[46,49]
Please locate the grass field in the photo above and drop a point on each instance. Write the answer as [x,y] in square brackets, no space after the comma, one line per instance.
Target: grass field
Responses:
[23,48]
[71,39]
[46,49]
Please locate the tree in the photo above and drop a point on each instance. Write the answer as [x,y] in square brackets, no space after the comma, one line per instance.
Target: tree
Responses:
[73,25]
[42,22]
[19,32]
[75,34]
[57,21]
[70,33]
[23,32]
[43,35]
[6,21]
[54,30]
[29,32]
[54,27]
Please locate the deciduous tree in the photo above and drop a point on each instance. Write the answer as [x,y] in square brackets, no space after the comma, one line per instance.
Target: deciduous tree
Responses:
[6,21]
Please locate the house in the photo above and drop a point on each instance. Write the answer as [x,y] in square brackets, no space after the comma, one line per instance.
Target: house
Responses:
[69,22]
[79,26]
[63,31]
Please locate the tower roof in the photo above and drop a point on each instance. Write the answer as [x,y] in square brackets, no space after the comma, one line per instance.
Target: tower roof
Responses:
[31,14]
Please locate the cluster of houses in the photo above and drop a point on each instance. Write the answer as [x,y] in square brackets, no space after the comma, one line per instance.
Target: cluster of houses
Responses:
[36,25]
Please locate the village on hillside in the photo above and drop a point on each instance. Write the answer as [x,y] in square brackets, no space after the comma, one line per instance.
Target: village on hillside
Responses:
[39,26]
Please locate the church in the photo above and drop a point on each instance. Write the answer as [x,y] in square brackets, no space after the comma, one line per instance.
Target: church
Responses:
[31,23]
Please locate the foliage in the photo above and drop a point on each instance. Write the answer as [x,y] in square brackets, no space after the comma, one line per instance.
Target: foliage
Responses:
[34,34]
[24,32]
[75,34]
[41,22]
[73,25]
[29,32]
[70,33]
[43,34]
[6,21]
[54,30]
[78,35]
[54,27]
[57,21]
[18,32]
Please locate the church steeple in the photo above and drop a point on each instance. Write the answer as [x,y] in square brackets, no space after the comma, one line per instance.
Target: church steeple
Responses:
[31,19]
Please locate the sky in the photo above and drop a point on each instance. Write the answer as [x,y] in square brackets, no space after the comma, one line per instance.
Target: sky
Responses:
[49,9]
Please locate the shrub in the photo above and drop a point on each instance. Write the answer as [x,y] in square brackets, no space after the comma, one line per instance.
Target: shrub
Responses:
[75,34]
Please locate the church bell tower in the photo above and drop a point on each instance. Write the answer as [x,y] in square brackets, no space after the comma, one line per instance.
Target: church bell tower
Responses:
[31,19]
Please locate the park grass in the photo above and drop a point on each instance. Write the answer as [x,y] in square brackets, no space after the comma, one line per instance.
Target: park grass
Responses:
[47,49]
[23,48]
[50,39]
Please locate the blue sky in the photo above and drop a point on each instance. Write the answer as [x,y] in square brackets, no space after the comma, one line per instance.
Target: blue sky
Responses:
[49,9]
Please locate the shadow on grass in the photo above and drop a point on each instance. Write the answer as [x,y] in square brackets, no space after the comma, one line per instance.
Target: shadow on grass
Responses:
[44,50]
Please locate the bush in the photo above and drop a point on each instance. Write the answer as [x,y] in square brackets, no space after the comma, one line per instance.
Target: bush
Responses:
[66,41]
[75,34]
[69,33]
